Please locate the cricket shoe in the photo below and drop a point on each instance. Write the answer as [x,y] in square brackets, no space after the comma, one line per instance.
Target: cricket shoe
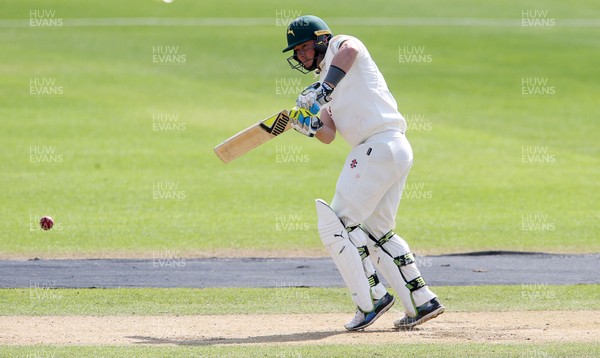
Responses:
[425,312]
[362,320]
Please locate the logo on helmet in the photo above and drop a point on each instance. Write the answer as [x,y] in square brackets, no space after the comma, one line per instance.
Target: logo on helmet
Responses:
[290,31]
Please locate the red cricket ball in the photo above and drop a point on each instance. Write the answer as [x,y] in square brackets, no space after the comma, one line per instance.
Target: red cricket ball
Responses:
[46,223]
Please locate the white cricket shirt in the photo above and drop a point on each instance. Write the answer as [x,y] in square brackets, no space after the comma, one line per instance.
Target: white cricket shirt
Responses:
[361,104]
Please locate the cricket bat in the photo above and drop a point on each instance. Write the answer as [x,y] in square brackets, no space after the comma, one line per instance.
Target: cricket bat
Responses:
[253,136]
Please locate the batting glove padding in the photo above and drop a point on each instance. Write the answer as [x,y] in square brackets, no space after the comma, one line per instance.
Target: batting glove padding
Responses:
[316,93]
[305,122]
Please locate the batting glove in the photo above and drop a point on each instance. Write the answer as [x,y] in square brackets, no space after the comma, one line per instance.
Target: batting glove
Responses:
[305,122]
[317,93]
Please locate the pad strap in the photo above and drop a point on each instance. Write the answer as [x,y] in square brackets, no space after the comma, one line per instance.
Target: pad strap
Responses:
[363,251]
[373,280]
[383,240]
[415,284]
[404,260]
[349,229]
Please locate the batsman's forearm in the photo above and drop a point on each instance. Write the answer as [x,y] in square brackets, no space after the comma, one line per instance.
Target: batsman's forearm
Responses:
[326,135]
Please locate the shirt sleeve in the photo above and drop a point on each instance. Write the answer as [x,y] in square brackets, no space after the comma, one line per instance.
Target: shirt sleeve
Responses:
[337,41]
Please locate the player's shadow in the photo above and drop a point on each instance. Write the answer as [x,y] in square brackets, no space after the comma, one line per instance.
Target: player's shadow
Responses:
[275,338]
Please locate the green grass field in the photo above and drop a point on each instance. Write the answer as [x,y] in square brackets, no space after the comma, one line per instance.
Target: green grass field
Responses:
[187,301]
[122,157]
[99,132]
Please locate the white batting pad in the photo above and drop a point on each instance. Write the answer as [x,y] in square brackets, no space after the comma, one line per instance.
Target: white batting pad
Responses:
[386,266]
[345,255]
[359,239]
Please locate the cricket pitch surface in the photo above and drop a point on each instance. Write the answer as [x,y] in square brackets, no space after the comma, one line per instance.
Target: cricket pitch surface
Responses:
[450,327]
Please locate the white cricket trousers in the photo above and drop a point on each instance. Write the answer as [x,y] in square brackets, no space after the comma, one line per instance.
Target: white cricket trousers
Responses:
[370,185]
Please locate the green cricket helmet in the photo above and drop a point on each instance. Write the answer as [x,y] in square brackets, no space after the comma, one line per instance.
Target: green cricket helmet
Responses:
[307,28]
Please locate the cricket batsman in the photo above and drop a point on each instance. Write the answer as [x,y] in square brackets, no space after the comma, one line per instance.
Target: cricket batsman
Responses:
[357,229]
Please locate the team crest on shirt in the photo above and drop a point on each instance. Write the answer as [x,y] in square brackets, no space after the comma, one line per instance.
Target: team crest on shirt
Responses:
[353,163]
